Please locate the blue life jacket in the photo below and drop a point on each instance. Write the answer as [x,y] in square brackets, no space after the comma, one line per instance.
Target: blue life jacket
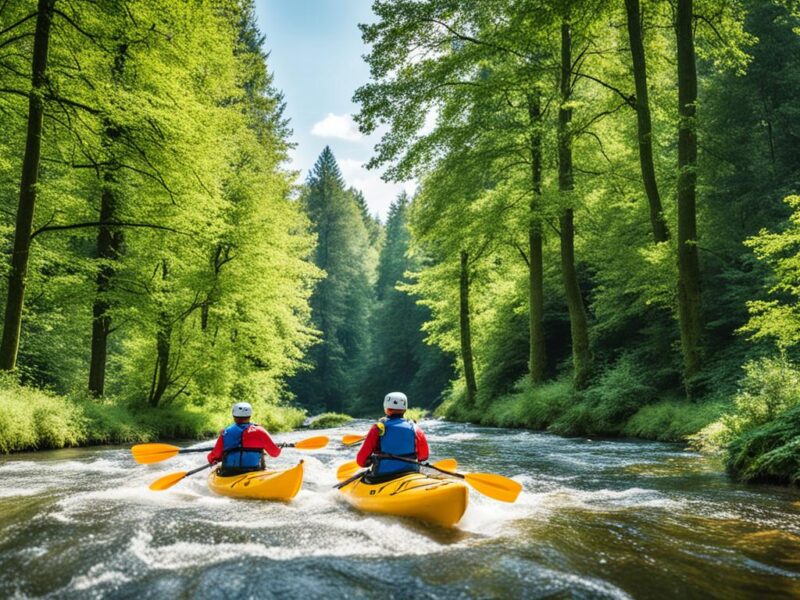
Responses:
[236,457]
[399,438]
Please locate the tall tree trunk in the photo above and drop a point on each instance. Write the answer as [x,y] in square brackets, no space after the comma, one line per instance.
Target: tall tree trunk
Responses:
[581,357]
[109,246]
[27,190]
[466,333]
[689,299]
[537,356]
[644,123]
[161,374]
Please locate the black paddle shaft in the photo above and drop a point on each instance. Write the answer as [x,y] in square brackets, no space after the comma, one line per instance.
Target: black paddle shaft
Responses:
[198,469]
[351,479]
[423,464]
[187,450]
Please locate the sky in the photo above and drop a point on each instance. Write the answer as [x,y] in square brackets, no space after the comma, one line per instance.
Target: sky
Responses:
[315,52]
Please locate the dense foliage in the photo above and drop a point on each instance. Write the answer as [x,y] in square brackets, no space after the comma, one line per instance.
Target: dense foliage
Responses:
[158,256]
[370,327]
[601,205]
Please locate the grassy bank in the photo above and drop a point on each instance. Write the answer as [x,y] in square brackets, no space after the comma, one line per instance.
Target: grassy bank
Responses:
[557,408]
[32,419]
[757,431]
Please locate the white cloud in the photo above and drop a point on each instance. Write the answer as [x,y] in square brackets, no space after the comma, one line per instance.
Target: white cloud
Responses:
[341,127]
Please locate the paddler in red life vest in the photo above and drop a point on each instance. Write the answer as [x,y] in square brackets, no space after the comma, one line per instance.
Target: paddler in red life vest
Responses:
[241,446]
[395,435]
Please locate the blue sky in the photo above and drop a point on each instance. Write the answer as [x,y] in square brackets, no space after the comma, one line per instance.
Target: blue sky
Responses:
[315,56]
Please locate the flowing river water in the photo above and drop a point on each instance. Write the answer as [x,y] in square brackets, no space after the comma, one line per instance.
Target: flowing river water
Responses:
[596,519]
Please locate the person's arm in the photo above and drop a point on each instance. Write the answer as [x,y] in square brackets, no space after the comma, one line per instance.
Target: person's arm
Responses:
[368,447]
[422,445]
[216,454]
[257,437]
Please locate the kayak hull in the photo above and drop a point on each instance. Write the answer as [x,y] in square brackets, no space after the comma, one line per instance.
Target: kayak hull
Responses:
[438,500]
[259,485]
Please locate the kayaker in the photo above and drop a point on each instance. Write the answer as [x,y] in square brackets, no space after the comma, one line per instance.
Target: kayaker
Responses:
[241,446]
[396,435]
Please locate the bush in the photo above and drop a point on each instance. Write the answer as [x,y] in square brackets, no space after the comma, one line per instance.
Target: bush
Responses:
[769,452]
[760,436]
[770,387]
[417,414]
[33,419]
[673,420]
[329,419]
[604,408]
[620,403]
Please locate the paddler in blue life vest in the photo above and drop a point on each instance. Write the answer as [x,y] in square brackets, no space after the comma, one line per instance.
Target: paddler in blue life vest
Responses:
[395,435]
[241,446]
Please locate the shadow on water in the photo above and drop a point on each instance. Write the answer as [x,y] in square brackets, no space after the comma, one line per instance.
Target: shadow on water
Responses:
[597,519]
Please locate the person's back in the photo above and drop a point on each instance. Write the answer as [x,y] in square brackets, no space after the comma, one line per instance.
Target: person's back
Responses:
[393,435]
[240,447]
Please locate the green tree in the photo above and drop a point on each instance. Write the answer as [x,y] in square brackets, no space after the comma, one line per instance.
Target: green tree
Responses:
[341,302]
[399,357]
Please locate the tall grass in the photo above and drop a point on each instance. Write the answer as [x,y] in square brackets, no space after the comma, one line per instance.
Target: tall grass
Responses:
[32,419]
[620,404]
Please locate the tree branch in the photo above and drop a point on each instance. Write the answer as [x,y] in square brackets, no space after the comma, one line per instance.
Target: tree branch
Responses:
[102,224]
[630,99]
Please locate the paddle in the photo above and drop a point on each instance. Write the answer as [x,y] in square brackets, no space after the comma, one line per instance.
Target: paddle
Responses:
[349,468]
[168,481]
[358,475]
[489,484]
[146,454]
[352,438]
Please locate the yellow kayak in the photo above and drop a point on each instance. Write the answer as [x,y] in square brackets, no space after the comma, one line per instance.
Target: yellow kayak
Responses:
[437,500]
[261,485]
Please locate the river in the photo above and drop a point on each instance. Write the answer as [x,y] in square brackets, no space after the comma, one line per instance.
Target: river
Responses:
[596,519]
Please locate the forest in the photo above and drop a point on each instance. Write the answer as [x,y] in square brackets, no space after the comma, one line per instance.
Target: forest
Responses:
[604,241]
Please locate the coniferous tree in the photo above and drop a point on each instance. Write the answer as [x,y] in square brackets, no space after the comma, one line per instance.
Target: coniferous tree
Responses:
[341,302]
[399,358]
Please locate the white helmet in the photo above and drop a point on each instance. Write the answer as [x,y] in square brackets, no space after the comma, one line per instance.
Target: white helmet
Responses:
[242,409]
[395,401]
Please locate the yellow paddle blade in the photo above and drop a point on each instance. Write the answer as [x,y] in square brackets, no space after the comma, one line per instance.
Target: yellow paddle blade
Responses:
[352,438]
[495,486]
[312,443]
[167,481]
[146,454]
[448,464]
[346,470]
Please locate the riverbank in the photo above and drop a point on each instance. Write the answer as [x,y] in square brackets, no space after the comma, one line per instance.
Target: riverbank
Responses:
[34,419]
[757,430]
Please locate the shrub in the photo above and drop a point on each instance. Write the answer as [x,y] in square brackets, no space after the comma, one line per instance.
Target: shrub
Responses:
[769,387]
[673,420]
[329,419]
[769,452]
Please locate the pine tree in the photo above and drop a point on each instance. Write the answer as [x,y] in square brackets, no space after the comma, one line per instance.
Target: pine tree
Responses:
[400,359]
[341,301]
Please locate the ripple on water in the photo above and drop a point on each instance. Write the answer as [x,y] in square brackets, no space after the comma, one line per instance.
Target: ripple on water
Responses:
[585,526]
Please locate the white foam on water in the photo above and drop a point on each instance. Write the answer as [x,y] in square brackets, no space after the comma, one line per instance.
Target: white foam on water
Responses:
[42,469]
[354,537]
[453,437]
[489,517]
[28,490]
[606,499]
[97,575]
